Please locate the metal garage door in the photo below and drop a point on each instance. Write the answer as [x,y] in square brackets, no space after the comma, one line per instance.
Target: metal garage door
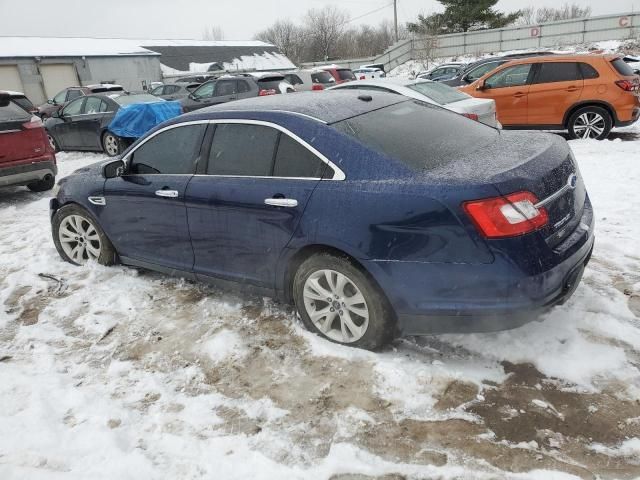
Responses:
[10,78]
[57,77]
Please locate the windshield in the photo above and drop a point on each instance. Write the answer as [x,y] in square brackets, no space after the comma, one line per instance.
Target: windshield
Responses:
[439,92]
[322,77]
[140,98]
[423,137]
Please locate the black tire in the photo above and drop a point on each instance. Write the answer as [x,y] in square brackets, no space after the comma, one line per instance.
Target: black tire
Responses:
[381,322]
[42,185]
[108,255]
[112,144]
[53,143]
[579,120]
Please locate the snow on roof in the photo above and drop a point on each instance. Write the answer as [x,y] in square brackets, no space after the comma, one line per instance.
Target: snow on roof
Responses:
[81,46]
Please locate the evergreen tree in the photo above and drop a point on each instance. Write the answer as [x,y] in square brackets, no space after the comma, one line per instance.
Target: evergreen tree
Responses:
[463,16]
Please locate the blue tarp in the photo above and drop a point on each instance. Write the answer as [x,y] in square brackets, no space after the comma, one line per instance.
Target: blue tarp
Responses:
[133,121]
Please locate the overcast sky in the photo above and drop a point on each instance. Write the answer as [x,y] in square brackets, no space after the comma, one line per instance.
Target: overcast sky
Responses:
[239,19]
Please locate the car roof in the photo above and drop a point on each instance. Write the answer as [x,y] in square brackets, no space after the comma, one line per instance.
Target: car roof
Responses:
[12,93]
[585,57]
[326,107]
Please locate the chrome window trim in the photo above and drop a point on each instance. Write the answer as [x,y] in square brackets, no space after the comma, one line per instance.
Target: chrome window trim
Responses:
[338,174]
[557,194]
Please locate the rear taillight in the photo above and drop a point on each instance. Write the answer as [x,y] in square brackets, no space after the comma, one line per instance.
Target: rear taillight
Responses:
[265,92]
[508,216]
[627,85]
[317,87]
[472,116]
[35,122]
[362,77]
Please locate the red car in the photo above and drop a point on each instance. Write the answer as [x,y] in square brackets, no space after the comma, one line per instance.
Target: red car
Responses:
[340,74]
[26,157]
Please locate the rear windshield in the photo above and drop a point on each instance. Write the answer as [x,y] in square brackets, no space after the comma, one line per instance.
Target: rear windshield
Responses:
[438,92]
[13,112]
[345,74]
[141,98]
[622,68]
[24,102]
[270,83]
[424,137]
[107,89]
[322,77]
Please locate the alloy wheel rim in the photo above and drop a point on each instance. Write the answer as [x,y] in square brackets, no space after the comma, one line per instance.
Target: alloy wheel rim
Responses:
[79,239]
[589,125]
[51,141]
[111,146]
[336,306]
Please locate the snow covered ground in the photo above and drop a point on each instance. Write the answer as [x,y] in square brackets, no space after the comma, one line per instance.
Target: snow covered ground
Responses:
[115,373]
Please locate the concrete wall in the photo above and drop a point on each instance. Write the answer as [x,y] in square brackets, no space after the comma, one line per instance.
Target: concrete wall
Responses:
[128,71]
[548,35]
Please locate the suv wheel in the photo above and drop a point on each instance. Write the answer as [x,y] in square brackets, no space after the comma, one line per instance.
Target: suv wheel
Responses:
[78,237]
[42,185]
[590,122]
[52,142]
[111,144]
[339,302]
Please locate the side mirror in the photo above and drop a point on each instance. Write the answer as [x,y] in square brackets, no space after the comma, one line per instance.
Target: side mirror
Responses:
[51,102]
[113,169]
[481,85]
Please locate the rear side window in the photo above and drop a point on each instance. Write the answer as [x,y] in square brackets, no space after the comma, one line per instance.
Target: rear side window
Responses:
[550,72]
[13,112]
[24,102]
[295,160]
[588,72]
[242,150]
[172,152]
[169,89]
[345,74]
[270,83]
[622,68]
[422,136]
[243,87]
[439,92]
[322,77]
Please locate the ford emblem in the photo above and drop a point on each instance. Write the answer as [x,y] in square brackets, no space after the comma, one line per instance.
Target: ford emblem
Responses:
[572,182]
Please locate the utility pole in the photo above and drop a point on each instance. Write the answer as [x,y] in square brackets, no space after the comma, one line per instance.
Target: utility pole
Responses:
[395,17]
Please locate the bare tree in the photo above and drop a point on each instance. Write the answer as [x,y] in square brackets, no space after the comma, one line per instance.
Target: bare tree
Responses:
[568,11]
[287,36]
[214,32]
[324,28]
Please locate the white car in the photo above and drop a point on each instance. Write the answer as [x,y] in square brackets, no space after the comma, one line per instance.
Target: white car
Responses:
[306,80]
[480,109]
[368,73]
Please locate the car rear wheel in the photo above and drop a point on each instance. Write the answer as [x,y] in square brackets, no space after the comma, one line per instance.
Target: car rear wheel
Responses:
[111,144]
[590,122]
[79,239]
[336,300]
[43,185]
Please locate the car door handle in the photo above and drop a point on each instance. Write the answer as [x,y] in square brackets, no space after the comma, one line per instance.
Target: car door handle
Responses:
[167,193]
[519,94]
[572,89]
[281,202]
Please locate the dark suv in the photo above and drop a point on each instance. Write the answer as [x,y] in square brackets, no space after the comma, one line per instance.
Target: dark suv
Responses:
[62,98]
[475,70]
[235,87]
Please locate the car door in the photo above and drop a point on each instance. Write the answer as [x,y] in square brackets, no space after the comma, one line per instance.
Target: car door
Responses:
[509,87]
[171,92]
[245,207]
[225,91]
[244,90]
[67,131]
[200,98]
[89,123]
[555,88]
[145,211]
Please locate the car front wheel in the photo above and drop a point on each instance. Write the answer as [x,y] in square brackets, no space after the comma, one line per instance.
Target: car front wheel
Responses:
[338,301]
[79,239]
[590,122]
[111,144]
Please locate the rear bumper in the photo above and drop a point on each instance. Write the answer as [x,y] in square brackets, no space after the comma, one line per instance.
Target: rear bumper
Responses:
[464,298]
[28,173]
[635,115]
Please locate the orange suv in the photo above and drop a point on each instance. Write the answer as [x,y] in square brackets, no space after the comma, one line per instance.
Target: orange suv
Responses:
[587,95]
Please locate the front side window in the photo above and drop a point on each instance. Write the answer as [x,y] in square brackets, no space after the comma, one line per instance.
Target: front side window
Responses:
[157,90]
[73,108]
[514,76]
[551,72]
[480,71]
[242,150]
[225,87]
[172,152]
[205,91]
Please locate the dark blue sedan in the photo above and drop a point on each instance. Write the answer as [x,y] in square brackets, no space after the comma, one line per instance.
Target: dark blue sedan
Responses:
[375,214]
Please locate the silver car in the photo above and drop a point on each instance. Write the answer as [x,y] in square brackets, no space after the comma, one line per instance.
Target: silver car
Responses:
[480,109]
[310,79]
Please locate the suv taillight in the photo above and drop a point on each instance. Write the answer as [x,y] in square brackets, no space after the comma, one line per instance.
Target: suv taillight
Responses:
[627,85]
[509,216]
[268,91]
[317,87]
[34,122]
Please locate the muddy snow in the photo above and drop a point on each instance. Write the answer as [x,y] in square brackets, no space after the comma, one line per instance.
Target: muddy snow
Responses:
[117,373]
